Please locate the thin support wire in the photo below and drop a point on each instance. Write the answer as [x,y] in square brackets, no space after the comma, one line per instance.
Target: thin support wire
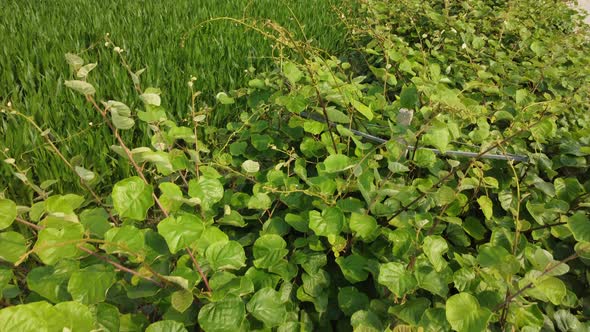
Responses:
[451,153]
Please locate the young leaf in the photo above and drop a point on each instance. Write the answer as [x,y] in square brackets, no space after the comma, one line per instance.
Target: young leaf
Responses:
[486,206]
[35,316]
[224,99]
[84,70]
[74,61]
[82,87]
[292,73]
[84,174]
[363,109]
[250,166]
[181,300]
[151,98]
[107,317]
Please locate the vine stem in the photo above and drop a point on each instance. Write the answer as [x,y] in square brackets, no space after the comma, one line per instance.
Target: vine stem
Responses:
[29,224]
[205,281]
[139,171]
[120,267]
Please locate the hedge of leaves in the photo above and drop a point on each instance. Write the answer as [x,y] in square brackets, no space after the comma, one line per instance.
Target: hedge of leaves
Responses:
[287,219]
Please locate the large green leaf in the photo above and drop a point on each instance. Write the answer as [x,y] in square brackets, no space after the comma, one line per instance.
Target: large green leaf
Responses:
[547,289]
[51,281]
[211,235]
[363,109]
[329,222]
[354,267]
[127,240]
[434,320]
[259,201]
[54,244]
[96,221]
[90,285]
[31,317]
[465,315]
[6,276]
[171,197]
[568,189]
[12,246]
[411,311]
[166,326]
[107,317]
[132,198]
[78,317]
[579,224]
[208,190]
[181,230]
[351,300]
[364,226]
[438,136]
[7,213]
[226,255]
[434,247]
[268,250]
[366,321]
[337,163]
[267,306]
[499,258]
[225,315]
[396,278]
[431,280]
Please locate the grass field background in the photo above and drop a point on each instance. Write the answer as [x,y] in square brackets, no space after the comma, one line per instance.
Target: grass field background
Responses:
[35,35]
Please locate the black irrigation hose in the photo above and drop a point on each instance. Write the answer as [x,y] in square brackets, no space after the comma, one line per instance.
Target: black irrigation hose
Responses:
[452,153]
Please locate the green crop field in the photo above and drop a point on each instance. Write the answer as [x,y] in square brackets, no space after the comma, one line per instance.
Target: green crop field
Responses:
[35,35]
